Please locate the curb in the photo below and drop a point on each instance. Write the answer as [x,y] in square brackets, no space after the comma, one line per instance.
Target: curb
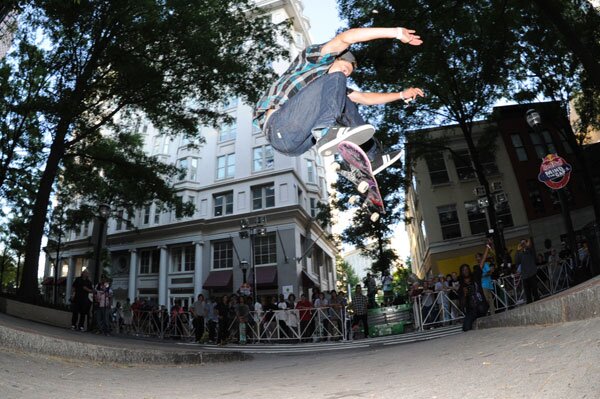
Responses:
[41,344]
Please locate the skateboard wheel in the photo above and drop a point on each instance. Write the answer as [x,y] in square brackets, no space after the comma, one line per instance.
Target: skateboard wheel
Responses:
[353,200]
[363,187]
[335,166]
[374,217]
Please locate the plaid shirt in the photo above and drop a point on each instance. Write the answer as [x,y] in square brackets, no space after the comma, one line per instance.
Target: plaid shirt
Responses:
[306,67]
[359,304]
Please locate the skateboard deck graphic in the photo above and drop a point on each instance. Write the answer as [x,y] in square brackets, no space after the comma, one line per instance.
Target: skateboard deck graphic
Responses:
[361,175]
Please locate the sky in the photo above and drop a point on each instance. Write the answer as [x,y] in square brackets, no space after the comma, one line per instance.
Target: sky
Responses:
[324,21]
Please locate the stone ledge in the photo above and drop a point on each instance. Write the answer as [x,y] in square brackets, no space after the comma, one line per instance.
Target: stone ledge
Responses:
[40,314]
[577,303]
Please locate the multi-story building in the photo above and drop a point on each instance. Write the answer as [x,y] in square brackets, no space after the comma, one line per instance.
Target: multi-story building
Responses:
[448,220]
[8,20]
[233,175]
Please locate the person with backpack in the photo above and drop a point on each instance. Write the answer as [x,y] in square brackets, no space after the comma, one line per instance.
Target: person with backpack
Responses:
[472,301]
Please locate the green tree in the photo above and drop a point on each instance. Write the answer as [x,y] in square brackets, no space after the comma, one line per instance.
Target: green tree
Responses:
[172,61]
[345,274]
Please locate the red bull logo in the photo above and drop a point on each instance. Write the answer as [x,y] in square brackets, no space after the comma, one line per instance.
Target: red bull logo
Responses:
[555,172]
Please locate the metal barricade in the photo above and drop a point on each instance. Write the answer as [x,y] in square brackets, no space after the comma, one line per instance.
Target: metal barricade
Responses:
[435,309]
[293,325]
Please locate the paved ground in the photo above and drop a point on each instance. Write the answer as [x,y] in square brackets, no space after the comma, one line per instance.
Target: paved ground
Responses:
[558,361]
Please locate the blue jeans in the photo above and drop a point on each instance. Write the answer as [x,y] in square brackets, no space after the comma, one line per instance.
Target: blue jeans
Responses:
[323,103]
[103,319]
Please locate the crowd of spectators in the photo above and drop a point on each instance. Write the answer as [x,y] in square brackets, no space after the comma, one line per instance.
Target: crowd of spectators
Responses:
[472,290]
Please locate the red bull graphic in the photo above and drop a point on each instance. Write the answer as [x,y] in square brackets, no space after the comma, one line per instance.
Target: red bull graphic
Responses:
[555,172]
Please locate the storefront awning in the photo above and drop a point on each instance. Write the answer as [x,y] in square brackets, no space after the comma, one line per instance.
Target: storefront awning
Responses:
[218,279]
[266,276]
[308,280]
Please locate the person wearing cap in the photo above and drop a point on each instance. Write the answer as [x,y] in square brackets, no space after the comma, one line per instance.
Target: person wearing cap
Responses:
[310,103]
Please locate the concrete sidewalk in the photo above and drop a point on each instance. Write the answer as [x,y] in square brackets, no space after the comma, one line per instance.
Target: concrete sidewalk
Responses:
[580,302]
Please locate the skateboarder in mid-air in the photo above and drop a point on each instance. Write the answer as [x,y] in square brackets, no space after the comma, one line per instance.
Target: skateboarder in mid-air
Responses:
[310,103]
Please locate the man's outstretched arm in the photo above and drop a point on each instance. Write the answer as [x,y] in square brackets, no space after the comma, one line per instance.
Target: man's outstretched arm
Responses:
[383,98]
[356,35]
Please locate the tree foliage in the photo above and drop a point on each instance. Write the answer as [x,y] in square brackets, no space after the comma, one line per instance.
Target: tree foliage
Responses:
[346,275]
[80,64]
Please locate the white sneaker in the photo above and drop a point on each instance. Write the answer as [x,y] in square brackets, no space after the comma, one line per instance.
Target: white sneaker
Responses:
[383,161]
[333,136]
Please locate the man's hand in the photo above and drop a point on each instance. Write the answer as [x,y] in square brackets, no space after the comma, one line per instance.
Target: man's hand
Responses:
[411,94]
[408,36]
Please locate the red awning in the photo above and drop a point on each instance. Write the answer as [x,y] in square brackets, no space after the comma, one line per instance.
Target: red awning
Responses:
[218,279]
[48,281]
[266,276]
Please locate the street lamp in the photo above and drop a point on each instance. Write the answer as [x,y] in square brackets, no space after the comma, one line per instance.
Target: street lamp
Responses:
[250,231]
[103,214]
[244,266]
[534,120]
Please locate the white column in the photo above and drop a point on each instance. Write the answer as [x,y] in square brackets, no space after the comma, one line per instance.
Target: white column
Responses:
[198,272]
[133,269]
[70,278]
[162,276]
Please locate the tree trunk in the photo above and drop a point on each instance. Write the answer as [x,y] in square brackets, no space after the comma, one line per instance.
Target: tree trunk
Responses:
[482,178]
[28,288]
[586,52]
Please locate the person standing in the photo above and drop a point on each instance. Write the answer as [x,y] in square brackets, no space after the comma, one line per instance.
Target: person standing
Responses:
[371,290]
[526,261]
[213,319]
[486,277]
[360,307]
[222,311]
[104,296]
[388,290]
[304,307]
[80,300]
[199,312]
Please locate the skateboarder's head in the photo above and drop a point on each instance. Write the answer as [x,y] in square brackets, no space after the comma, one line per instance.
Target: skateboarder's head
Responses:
[344,63]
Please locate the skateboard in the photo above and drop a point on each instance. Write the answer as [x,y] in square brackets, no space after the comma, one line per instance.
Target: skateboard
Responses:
[357,169]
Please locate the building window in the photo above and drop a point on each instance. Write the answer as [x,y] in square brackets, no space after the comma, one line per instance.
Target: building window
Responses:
[222,255]
[156,145]
[449,221]
[310,170]
[262,158]
[487,159]
[313,207]
[463,164]
[193,169]
[223,204]
[563,141]
[157,212]
[227,132]
[265,250]
[542,143]
[183,259]
[437,168]
[503,214]
[119,220]
[147,214]
[535,196]
[149,261]
[517,143]
[192,199]
[183,165]
[166,145]
[476,216]
[226,166]
[263,197]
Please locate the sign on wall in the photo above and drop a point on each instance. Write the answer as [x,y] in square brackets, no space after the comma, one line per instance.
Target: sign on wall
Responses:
[555,172]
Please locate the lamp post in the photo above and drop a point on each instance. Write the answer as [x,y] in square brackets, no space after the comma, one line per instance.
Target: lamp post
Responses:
[534,120]
[244,266]
[250,231]
[103,214]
